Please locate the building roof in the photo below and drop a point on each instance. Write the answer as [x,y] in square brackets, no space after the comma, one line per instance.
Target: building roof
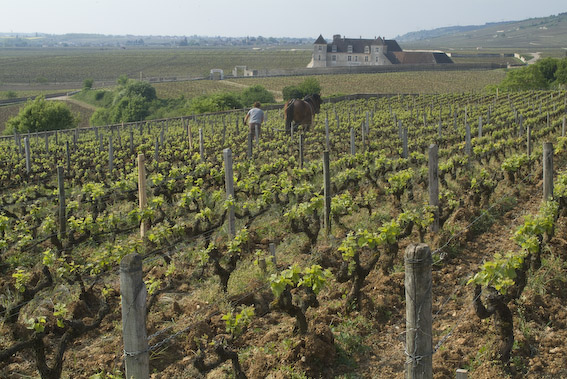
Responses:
[418,57]
[320,40]
[358,44]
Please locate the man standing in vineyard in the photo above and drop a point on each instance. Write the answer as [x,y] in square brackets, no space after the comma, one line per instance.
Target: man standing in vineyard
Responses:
[254,118]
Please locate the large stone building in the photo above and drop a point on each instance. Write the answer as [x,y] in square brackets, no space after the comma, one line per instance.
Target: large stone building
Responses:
[368,52]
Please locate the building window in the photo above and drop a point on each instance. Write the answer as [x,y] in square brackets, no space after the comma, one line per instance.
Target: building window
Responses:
[349,58]
[319,58]
[334,58]
[349,49]
[376,59]
[366,50]
[377,49]
[320,48]
[356,58]
[366,58]
[334,48]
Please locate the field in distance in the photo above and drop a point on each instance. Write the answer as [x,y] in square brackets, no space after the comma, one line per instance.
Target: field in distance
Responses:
[384,83]
[59,66]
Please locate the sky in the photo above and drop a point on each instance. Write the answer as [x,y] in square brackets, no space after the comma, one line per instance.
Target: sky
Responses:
[267,18]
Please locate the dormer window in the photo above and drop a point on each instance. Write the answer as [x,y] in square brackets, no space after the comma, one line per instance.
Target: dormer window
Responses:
[334,48]
[377,49]
[366,49]
[349,49]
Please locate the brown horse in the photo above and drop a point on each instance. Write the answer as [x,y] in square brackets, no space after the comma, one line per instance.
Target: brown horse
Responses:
[301,112]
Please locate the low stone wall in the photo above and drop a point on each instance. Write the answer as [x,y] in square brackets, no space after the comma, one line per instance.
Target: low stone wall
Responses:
[378,69]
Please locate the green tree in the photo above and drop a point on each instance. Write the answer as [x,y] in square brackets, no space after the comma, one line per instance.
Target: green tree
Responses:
[137,88]
[526,78]
[256,93]
[133,102]
[310,86]
[39,115]
[130,108]
[101,117]
[122,80]
[214,103]
[88,83]
[548,66]
[291,92]
[307,87]
[561,72]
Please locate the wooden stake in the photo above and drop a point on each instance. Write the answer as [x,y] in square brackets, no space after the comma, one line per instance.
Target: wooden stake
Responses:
[134,334]
[419,337]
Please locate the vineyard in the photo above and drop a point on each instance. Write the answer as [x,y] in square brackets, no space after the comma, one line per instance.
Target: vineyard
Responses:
[263,258]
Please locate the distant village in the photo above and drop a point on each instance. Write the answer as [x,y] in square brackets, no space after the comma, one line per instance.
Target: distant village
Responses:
[100,40]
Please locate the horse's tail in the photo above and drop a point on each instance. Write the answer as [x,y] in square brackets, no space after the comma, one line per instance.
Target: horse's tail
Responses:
[289,115]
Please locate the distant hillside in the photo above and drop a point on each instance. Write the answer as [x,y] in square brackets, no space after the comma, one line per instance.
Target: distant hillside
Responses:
[544,33]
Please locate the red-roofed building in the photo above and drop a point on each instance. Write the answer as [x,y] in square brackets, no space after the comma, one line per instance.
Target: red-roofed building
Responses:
[368,52]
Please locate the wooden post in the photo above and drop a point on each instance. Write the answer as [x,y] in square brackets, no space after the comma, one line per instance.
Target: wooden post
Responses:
[479,126]
[223,130]
[68,154]
[131,141]
[156,150]
[301,150]
[434,184]
[201,145]
[352,142]
[327,193]
[110,156]
[327,133]
[547,171]
[468,143]
[462,374]
[363,133]
[229,181]
[250,147]
[62,207]
[190,136]
[46,136]
[28,154]
[419,340]
[405,153]
[455,119]
[548,122]
[134,334]
[142,196]
[521,130]
[440,129]
[291,135]
[529,140]
[18,143]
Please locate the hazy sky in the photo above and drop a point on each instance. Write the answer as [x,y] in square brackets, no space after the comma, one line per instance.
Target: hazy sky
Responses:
[283,18]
